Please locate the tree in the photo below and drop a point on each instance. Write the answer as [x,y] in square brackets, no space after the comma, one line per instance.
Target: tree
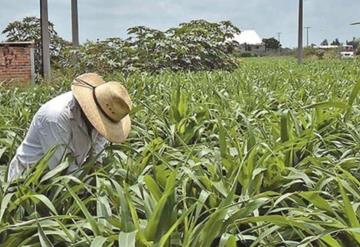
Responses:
[29,29]
[325,42]
[193,46]
[336,42]
[355,43]
[271,44]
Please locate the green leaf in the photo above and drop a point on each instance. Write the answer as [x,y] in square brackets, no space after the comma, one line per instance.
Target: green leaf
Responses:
[285,134]
[46,201]
[348,209]
[175,99]
[328,104]
[4,203]
[227,240]
[98,241]
[39,168]
[215,222]
[127,239]
[222,140]
[153,187]
[331,241]
[284,126]
[247,210]
[315,198]
[353,95]
[167,235]
[183,104]
[64,165]
[85,211]
[125,214]
[44,241]
[2,151]
[152,227]
[16,239]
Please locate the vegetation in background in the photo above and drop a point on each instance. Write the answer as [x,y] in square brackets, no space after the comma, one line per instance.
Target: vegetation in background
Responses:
[194,46]
[316,53]
[271,44]
[324,42]
[29,29]
[265,155]
[336,42]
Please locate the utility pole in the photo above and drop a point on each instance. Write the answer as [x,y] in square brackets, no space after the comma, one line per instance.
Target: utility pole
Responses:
[300,36]
[45,39]
[279,35]
[307,36]
[75,23]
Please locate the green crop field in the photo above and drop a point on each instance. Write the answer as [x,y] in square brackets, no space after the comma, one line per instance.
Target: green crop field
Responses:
[266,155]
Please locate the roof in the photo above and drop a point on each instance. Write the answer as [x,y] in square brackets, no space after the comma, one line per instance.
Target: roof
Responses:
[327,46]
[249,37]
[17,43]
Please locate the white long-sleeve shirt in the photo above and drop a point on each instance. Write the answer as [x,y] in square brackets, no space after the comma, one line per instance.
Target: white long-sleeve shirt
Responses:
[57,123]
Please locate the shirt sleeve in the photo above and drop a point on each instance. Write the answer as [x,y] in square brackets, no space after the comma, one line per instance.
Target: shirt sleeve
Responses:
[55,135]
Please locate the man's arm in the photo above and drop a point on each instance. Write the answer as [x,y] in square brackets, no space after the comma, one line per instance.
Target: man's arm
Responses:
[56,134]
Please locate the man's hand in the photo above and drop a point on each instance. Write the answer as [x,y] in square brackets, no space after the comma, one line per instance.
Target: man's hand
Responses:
[95,167]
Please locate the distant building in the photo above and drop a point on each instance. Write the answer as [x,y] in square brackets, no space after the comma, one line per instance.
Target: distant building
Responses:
[327,47]
[249,42]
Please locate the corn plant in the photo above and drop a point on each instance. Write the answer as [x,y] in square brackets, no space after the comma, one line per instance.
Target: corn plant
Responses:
[265,155]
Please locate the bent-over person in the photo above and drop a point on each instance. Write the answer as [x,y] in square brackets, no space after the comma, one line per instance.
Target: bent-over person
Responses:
[79,123]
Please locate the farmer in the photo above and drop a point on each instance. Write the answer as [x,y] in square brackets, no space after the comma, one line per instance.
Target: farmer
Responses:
[78,123]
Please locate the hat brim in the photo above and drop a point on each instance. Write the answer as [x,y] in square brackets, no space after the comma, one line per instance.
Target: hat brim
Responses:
[116,132]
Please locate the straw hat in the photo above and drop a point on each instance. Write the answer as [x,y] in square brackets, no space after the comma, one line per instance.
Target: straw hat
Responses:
[105,104]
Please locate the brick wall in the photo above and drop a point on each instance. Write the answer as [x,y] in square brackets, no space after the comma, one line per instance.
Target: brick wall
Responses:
[16,62]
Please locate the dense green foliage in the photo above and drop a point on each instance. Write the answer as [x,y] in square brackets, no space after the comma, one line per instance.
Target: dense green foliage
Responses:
[266,155]
[193,46]
[29,29]
[272,44]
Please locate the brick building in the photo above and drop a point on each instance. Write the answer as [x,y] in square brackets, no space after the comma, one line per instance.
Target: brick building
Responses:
[16,62]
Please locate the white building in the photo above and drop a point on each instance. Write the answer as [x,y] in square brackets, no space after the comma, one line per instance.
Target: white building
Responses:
[249,42]
[327,47]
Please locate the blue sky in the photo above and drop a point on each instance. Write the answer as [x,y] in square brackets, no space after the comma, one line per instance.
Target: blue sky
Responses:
[329,19]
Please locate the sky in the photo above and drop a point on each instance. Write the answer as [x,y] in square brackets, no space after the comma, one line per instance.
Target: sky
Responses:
[99,19]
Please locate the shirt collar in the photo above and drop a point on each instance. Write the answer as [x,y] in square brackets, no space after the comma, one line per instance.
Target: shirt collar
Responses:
[75,115]
[73,108]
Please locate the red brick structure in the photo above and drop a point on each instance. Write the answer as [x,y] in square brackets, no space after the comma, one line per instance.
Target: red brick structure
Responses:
[16,62]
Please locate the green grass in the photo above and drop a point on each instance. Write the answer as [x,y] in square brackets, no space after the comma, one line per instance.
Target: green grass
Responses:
[266,155]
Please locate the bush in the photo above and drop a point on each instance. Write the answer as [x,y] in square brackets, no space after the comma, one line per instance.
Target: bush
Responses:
[195,46]
[312,52]
[247,55]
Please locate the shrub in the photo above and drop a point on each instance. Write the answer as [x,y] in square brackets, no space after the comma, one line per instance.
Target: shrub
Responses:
[194,46]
